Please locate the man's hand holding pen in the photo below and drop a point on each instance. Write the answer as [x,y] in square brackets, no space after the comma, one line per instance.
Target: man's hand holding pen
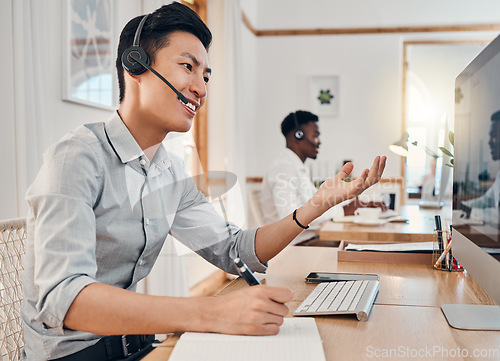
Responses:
[255,310]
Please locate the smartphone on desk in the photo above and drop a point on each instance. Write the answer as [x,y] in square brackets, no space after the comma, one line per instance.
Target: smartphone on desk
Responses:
[318,277]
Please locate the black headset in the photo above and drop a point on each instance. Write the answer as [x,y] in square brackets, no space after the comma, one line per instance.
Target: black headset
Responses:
[130,55]
[135,60]
[299,134]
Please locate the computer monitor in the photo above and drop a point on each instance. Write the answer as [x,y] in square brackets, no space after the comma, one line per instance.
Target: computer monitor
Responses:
[476,183]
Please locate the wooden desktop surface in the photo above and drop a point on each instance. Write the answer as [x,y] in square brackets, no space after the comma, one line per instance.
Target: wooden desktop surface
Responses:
[420,227]
[406,321]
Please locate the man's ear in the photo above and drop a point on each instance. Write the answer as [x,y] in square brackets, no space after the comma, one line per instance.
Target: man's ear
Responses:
[134,78]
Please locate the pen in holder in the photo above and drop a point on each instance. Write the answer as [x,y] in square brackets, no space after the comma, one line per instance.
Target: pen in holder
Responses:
[442,257]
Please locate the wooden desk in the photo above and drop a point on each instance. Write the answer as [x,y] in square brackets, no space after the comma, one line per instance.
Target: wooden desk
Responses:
[406,319]
[419,229]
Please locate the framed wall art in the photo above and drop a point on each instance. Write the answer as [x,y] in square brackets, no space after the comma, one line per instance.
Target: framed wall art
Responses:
[324,95]
[88,53]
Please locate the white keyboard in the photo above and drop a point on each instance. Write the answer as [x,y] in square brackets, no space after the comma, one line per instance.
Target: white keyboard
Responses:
[340,297]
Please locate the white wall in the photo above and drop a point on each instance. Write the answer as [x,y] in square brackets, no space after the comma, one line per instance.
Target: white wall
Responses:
[369,69]
[215,100]
[217,155]
[251,89]
[297,14]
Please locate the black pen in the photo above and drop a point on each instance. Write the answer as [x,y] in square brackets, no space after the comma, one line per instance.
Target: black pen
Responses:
[437,219]
[450,259]
[245,272]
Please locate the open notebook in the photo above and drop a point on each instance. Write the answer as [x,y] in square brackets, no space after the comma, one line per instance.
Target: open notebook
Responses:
[298,339]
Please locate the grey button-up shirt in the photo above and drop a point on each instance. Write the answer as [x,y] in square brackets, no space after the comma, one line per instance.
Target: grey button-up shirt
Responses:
[100,211]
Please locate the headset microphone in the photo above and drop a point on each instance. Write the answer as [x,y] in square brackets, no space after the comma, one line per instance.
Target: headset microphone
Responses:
[311,142]
[135,60]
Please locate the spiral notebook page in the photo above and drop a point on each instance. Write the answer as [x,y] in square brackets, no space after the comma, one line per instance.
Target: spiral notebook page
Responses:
[298,339]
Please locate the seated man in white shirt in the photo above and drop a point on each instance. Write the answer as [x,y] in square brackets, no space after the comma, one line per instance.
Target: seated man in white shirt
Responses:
[287,183]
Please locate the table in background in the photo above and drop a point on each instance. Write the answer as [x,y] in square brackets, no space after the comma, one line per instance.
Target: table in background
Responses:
[406,316]
[420,227]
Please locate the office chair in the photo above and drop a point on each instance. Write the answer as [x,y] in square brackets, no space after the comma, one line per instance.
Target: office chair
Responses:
[12,248]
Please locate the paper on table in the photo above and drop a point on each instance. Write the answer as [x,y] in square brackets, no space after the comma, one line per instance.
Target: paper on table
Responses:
[298,339]
[390,215]
[392,247]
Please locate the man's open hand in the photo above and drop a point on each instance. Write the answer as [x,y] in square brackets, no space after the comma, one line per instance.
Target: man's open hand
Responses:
[336,190]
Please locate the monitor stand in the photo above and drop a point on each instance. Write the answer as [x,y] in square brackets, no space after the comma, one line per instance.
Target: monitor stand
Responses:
[431,204]
[473,317]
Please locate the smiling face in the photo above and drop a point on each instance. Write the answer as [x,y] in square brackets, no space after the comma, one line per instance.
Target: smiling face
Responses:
[153,108]
[184,63]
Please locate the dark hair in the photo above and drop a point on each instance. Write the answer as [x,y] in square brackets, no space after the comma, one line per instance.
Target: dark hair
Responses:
[303,117]
[156,33]
[495,116]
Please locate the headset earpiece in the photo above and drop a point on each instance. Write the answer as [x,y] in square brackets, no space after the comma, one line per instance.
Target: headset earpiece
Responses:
[135,61]
[132,66]
[128,62]
[299,134]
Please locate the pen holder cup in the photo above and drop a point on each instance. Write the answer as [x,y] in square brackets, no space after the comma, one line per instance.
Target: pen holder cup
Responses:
[442,259]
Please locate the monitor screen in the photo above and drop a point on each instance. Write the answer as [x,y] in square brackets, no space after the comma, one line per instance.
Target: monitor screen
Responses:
[476,171]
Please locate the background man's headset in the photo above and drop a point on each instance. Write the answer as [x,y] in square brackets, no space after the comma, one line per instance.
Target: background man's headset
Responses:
[136,61]
[299,133]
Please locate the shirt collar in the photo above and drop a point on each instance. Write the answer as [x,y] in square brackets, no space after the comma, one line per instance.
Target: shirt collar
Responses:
[121,139]
[126,146]
[293,157]
[161,158]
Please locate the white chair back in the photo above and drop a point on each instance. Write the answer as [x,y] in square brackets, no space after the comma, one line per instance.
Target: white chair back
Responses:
[12,249]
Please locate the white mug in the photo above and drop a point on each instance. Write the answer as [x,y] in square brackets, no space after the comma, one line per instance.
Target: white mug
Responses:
[368,213]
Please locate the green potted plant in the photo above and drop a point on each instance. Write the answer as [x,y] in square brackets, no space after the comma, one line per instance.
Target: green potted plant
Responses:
[451,137]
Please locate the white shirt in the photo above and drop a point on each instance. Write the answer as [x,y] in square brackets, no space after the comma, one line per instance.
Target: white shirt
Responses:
[286,186]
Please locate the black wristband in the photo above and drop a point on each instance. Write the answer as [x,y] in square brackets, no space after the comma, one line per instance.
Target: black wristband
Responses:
[296,221]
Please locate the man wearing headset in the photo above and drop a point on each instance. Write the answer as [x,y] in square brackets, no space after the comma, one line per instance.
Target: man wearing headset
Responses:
[108,194]
[287,183]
